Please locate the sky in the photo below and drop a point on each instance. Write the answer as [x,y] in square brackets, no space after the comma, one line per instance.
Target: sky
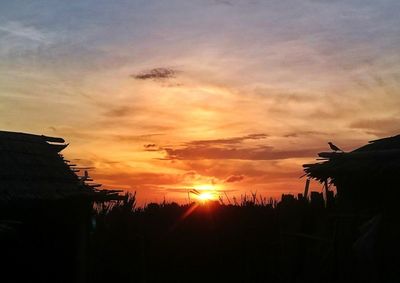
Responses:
[160,96]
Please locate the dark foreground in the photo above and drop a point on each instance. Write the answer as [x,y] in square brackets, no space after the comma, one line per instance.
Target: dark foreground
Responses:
[294,240]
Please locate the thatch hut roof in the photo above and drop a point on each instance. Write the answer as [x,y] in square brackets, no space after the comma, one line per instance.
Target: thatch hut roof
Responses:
[32,168]
[379,159]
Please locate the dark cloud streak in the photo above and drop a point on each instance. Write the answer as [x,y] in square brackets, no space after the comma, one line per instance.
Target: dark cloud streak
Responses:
[234,179]
[253,153]
[156,74]
[230,148]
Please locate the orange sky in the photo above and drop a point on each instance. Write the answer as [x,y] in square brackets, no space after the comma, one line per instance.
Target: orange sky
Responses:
[162,97]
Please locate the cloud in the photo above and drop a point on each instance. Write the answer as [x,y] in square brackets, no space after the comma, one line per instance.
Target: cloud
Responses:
[223,2]
[156,74]
[231,148]
[303,134]
[251,153]
[28,32]
[138,178]
[234,178]
[234,140]
[120,111]
[378,127]
[132,138]
[150,145]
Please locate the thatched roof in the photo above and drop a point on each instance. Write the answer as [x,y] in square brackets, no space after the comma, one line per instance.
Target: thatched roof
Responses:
[378,159]
[32,168]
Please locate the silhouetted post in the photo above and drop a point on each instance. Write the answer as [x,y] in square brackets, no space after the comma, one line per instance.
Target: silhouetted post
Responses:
[306,188]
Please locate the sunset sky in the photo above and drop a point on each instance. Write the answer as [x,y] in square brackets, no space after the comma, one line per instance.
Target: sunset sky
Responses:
[162,96]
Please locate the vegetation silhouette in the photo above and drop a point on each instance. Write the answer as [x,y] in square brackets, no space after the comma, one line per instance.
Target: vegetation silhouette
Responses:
[285,241]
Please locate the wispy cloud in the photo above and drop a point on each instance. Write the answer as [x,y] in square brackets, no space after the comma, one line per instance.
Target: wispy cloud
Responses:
[378,127]
[234,179]
[223,2]
[119,111]
[234,140]
[28,32]
[139,178]
[131,138]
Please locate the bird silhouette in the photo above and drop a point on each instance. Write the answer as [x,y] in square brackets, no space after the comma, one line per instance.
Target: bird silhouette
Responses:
[334,147]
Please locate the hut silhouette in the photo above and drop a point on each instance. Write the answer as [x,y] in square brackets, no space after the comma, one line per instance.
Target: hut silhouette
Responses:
[367,203]
[365,178]
[45,210]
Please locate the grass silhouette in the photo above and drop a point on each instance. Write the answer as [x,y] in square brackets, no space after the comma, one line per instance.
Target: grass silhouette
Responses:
[250,241]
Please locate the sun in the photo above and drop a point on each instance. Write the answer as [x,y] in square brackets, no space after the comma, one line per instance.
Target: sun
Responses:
[205,193]
[205,196]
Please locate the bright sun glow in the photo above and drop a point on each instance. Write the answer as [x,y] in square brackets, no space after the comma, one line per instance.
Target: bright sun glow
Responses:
[206,196]
[205,193]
